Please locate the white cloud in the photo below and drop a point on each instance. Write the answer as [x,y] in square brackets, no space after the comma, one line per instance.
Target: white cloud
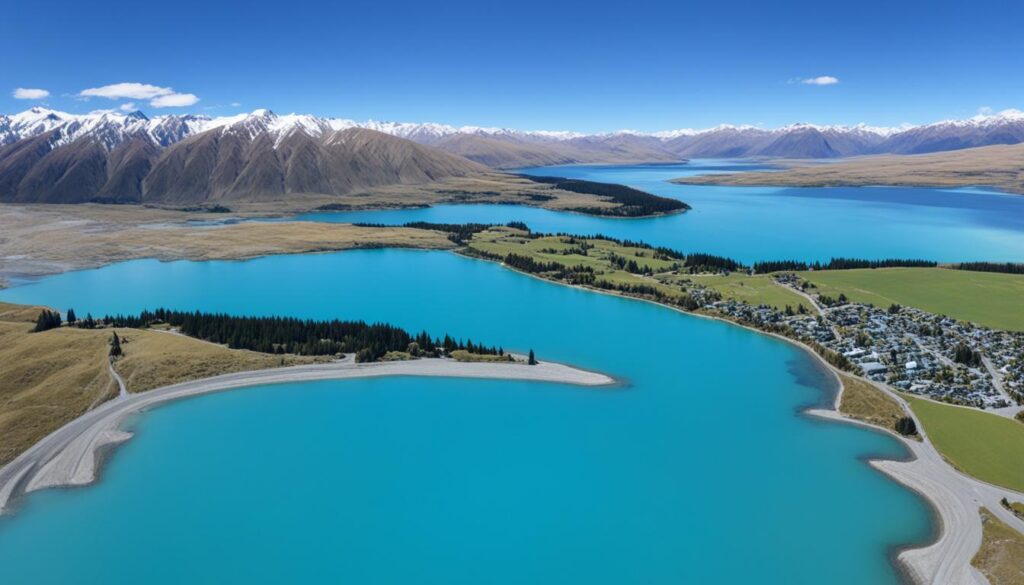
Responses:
[174,100]
[159,97]
[128,107]
[24,93]
[820,80]
[131,90]
[985,111]
[235,104]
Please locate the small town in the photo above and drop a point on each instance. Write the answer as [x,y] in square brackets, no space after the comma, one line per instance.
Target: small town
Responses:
[907,348]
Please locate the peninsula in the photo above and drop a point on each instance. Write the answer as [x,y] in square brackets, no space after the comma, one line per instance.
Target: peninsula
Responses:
[71,455]
[94,393]
[1000,167]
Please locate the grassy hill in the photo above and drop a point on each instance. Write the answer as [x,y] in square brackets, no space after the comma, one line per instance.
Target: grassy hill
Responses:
[52,377]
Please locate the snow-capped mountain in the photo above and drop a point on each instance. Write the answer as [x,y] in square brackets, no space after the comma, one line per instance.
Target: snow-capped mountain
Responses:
[47,155]
[1003,128]
[112,128]
[30,123]
[108,127]
[56,157]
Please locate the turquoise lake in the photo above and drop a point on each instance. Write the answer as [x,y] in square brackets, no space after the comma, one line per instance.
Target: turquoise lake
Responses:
[770,223]
[698,469]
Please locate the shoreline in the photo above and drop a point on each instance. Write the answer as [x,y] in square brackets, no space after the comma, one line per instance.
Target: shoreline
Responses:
[945,558]
[73,454]
[985,189]
[953,497]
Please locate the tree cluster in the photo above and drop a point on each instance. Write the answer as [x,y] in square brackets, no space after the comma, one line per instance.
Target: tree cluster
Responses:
[47,320]
[629,265]
[1004,267]
[840,264]
[906,426]
[632,202]
[299,336]
[963,354]
[701,262]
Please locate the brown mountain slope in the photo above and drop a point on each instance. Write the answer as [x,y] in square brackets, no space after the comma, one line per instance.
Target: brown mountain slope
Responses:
[43,169]
[234,166]
[504,153]
[244,162]
[509,152]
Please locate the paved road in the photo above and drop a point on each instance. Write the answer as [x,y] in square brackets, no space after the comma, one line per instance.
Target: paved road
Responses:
[122,391]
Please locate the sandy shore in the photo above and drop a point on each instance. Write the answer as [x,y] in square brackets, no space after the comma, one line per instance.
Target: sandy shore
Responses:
[70,456]
[954,497]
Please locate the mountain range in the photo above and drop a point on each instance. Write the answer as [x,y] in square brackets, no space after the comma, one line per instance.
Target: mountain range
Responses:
[52,156]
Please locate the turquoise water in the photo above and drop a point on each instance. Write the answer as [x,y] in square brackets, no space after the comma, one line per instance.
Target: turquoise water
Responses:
[698,470]
[769,223]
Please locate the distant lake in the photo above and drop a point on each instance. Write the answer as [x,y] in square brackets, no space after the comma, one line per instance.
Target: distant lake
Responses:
[770,223]
[698,470]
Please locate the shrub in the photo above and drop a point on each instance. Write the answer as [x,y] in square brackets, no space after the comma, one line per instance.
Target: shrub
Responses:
[906,426]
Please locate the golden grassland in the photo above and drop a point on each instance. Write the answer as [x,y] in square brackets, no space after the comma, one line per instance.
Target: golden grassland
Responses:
[50,378]
[461,355]
[864,402]
[987,298]
[996,166]
[47,379]
[43,241]
[153,359]
[36,240]
[1001,556]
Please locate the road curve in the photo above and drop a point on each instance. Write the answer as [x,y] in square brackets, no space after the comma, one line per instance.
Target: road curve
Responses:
[69,455]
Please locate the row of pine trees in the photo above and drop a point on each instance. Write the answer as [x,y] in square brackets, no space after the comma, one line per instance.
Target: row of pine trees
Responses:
[282,335]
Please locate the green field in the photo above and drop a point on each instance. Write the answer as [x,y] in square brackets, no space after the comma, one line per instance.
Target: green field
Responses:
[756,290]
[502,241]
[987,446]
[986,298]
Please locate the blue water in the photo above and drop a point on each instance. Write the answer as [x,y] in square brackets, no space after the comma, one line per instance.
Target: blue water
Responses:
[698,470]
[770,223]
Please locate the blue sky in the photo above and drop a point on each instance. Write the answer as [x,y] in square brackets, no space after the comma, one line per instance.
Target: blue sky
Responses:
[585,66]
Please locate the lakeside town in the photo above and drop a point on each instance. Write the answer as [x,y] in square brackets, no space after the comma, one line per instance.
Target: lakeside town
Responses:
[909,349]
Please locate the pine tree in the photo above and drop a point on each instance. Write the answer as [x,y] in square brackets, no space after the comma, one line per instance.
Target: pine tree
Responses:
[71,317]
[532,359]
[115,345]
[47,320]
[905,426]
